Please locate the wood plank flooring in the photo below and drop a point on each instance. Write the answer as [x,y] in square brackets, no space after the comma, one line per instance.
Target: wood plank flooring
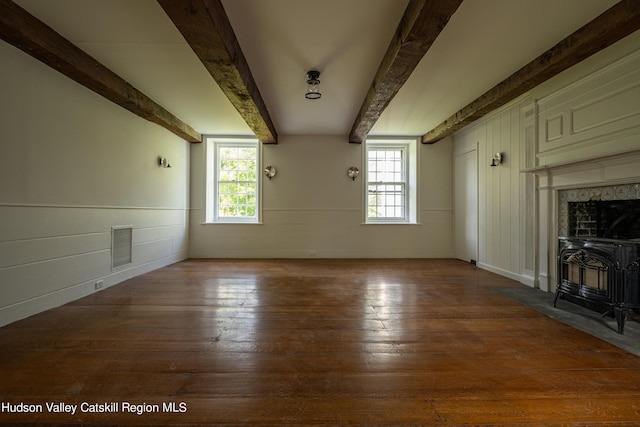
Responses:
[312,342]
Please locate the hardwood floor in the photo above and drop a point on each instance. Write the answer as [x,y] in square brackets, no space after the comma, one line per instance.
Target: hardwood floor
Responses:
[373,342]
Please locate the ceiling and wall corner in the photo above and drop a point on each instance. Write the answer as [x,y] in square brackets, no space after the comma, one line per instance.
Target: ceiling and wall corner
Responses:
[483,43]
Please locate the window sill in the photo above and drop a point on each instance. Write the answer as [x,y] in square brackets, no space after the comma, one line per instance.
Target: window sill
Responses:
[390,223]
[230,223]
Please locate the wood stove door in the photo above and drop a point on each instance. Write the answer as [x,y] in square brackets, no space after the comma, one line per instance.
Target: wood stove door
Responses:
[587,274]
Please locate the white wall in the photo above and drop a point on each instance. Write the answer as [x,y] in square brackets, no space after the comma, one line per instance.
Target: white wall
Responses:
[499,190]
[581,128]
[73,166]
[313,209]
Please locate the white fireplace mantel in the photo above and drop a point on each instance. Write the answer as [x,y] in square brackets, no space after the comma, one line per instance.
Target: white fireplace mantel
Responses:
[584,135]
[608,170]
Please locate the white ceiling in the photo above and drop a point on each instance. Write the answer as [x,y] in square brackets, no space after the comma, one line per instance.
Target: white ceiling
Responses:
[484,42]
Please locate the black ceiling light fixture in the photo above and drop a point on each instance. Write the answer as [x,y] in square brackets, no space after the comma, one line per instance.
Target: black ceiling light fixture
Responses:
[313,81]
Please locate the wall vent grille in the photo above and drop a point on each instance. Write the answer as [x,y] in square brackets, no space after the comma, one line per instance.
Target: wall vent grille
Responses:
[121,246]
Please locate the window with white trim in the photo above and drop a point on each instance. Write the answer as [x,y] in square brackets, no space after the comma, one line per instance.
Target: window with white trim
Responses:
[391,181]
[233,180]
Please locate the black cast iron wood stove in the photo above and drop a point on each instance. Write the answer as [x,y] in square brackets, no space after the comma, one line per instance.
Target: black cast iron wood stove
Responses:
[600,274]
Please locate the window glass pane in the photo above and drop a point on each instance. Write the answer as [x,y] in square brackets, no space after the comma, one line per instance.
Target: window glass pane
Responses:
[386,183]
[237,181]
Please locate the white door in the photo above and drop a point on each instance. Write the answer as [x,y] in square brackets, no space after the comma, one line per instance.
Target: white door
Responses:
[466,205]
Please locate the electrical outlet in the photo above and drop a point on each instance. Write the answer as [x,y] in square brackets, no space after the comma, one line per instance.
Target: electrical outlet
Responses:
[99,284]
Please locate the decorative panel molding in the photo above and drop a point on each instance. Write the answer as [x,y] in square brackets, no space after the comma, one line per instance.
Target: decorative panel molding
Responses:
[528,206]
[529,134]
[553,128]
[596,116]
[607,110]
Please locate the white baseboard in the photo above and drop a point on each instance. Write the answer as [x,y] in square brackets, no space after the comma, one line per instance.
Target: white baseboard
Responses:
[542,283]
[528,280]
[303,254]
[500,271]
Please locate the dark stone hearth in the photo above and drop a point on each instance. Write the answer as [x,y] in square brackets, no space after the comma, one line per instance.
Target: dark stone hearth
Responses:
[580,318]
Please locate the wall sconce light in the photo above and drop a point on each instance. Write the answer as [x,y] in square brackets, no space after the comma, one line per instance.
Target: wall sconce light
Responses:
[353,172]
[313,81]
[163,162]
[270,172]
[497,159]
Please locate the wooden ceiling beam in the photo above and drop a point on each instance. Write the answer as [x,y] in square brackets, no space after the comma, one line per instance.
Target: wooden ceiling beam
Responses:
[205,26]
[26,32]
[422,22]
[619,21]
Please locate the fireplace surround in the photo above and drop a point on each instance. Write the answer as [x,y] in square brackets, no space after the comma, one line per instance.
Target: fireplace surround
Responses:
[577,206]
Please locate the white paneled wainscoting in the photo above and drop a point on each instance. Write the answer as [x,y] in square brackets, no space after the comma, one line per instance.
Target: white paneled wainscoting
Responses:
[298,233]
[51,255]
[76,166]
[578,131]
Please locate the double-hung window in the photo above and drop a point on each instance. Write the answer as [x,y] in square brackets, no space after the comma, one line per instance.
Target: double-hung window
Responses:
[233,180]
[391,181]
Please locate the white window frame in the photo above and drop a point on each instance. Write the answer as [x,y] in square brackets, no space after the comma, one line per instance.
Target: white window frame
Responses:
[408,146]
[213,146]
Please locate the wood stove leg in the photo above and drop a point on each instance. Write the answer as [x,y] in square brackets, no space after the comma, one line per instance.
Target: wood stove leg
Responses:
[555,300]
[621,315]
